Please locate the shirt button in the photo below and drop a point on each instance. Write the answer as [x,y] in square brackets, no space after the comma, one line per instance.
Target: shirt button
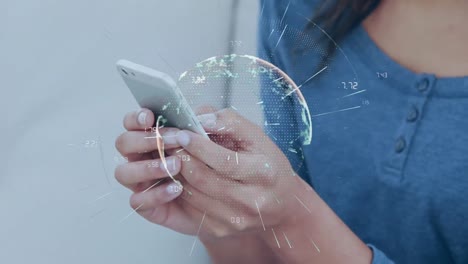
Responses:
[413,114]
[400,145]
[423,85]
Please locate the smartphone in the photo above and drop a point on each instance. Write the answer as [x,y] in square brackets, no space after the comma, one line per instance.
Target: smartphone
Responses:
[159,93]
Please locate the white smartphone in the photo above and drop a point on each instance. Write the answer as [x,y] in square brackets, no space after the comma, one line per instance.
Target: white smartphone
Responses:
[159,93]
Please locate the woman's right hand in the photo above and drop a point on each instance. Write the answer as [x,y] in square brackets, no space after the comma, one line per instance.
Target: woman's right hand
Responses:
[145,172]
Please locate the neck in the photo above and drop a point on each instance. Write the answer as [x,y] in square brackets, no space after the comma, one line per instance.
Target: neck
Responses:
[423,35]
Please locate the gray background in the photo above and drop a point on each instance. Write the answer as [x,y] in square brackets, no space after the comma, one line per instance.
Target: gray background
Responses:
[59,90]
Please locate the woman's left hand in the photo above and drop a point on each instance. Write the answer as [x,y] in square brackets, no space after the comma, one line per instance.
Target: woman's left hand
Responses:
[236,186]
[237,182]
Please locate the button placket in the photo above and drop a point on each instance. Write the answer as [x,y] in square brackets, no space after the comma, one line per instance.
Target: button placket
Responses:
[409,124]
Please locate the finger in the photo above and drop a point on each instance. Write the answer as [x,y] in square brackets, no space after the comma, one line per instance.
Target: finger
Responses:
[227,142]
[229,122]
[143,186]
[219,212]
[139,120]
[156,196]
[147,156]
[231,192]
[198,175]
[182,218]
[143,142]
[173,216]
[205,109]
[182,212]
[133,173]
[139,156]
[216,206]
[236,165]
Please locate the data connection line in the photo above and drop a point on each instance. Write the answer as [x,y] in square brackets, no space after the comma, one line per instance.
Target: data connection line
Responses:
[261,219]
[198,233]
[337,111]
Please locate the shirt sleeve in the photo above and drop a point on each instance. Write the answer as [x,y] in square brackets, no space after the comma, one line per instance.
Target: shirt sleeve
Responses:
[378,257]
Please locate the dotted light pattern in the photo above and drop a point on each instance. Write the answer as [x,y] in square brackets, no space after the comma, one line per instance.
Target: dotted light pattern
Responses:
[252,71]
[246,74]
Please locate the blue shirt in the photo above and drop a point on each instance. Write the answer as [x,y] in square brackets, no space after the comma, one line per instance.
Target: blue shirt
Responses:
[390,160]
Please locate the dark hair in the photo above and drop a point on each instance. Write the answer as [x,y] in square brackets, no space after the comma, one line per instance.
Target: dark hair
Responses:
[338,18]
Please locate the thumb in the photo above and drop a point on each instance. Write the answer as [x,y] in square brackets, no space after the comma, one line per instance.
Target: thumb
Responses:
[229,123]
[205,109]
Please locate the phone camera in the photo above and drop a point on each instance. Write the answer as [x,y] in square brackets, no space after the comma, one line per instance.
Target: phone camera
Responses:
[124,71]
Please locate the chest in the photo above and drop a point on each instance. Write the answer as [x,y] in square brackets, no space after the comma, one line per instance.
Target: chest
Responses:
[387,163]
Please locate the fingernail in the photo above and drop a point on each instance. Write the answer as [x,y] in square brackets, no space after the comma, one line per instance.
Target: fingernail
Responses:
[142,118]
[169,137]
[183,138]
[173,190]
[207,120]
[172,165]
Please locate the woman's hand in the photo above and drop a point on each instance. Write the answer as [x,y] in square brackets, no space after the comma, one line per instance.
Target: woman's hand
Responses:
[240,178]
[237,182]
[146,176]
[239,191]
